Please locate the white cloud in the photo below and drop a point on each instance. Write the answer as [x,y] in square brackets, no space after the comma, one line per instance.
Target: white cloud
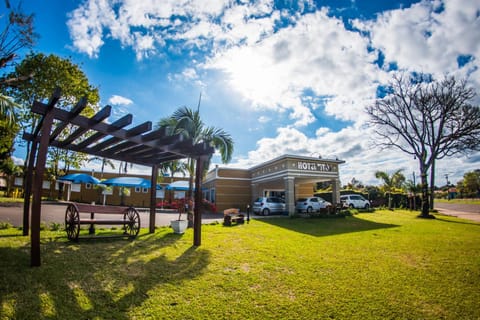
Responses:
[119,100]
[319,54]
[18,161]
[146,25]
[427,37]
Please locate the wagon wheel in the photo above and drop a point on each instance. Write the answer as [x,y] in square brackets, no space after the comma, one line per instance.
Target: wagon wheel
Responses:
[72,222]
[132,227]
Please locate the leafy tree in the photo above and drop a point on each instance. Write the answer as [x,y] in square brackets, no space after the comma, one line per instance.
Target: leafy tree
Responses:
[10,169]
[428,120]
[8,131]
[49,72]
[391,183]
[188,122]
[470,184]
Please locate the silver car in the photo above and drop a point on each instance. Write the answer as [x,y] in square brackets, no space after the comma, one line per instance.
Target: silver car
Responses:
[268,205]
[311,204]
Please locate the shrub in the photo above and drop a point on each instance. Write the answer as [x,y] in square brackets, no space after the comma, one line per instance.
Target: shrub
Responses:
[54,226]
[5,225]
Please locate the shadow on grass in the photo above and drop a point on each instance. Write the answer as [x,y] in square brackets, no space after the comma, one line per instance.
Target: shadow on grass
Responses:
[327,226]
[102,279]
[460,220]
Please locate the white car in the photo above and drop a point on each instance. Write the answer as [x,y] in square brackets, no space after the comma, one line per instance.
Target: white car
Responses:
[311,204]
[354,201]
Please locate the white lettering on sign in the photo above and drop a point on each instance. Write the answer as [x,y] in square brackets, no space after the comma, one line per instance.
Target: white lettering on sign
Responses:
[312,166]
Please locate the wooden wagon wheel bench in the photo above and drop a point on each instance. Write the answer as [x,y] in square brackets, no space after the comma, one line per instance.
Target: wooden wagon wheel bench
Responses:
[78,214]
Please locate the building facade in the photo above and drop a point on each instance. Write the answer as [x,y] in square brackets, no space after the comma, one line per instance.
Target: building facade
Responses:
[288,176]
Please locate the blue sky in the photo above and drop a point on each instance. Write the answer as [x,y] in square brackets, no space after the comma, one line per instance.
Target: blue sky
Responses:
[282,77]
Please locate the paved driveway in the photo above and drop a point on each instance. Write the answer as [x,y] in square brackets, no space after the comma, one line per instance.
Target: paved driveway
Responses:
[460,210]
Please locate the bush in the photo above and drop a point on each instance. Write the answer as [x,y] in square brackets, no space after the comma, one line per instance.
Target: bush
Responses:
[55,226]
[5,225]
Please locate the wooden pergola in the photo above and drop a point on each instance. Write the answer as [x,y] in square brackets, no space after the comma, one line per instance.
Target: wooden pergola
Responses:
[139,145]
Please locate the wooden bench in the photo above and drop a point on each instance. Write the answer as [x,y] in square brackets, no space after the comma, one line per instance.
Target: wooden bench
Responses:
[78,214]
[233,215]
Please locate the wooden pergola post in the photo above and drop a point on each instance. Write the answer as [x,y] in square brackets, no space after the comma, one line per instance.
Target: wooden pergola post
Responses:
[38,180]
[153,198]
[28,188]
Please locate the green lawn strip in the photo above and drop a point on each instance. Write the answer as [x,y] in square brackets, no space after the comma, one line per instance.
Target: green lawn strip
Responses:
[11,201]
[387,264]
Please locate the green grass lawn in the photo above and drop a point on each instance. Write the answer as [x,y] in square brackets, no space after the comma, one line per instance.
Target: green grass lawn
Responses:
[382,265]
[8,200]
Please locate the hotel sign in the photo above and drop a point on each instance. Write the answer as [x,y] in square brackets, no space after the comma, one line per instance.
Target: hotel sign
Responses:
[314,166]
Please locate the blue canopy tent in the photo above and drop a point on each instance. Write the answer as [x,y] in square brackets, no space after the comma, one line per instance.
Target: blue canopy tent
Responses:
[77,178]
[129,182]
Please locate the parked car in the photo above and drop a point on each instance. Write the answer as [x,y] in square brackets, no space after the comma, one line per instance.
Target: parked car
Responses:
[268,205]
[354,201]
[311,204]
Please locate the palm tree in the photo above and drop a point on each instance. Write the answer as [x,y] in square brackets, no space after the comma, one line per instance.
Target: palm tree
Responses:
[188,123]
[390,183]
[172,167]
[105,162]
[7,110]
[412,188]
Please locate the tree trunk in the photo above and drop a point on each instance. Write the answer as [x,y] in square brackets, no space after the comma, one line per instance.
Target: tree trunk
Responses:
[189,199]
[425,199]
[432,184]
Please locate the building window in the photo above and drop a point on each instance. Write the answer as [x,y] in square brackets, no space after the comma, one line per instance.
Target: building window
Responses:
[88,186]
[76,187]
[18,181]
[137,189]
[145,190]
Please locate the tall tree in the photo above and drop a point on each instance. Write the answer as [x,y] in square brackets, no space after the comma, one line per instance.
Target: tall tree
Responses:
[188,122]
[49,72]
[428,120]
[391,183]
